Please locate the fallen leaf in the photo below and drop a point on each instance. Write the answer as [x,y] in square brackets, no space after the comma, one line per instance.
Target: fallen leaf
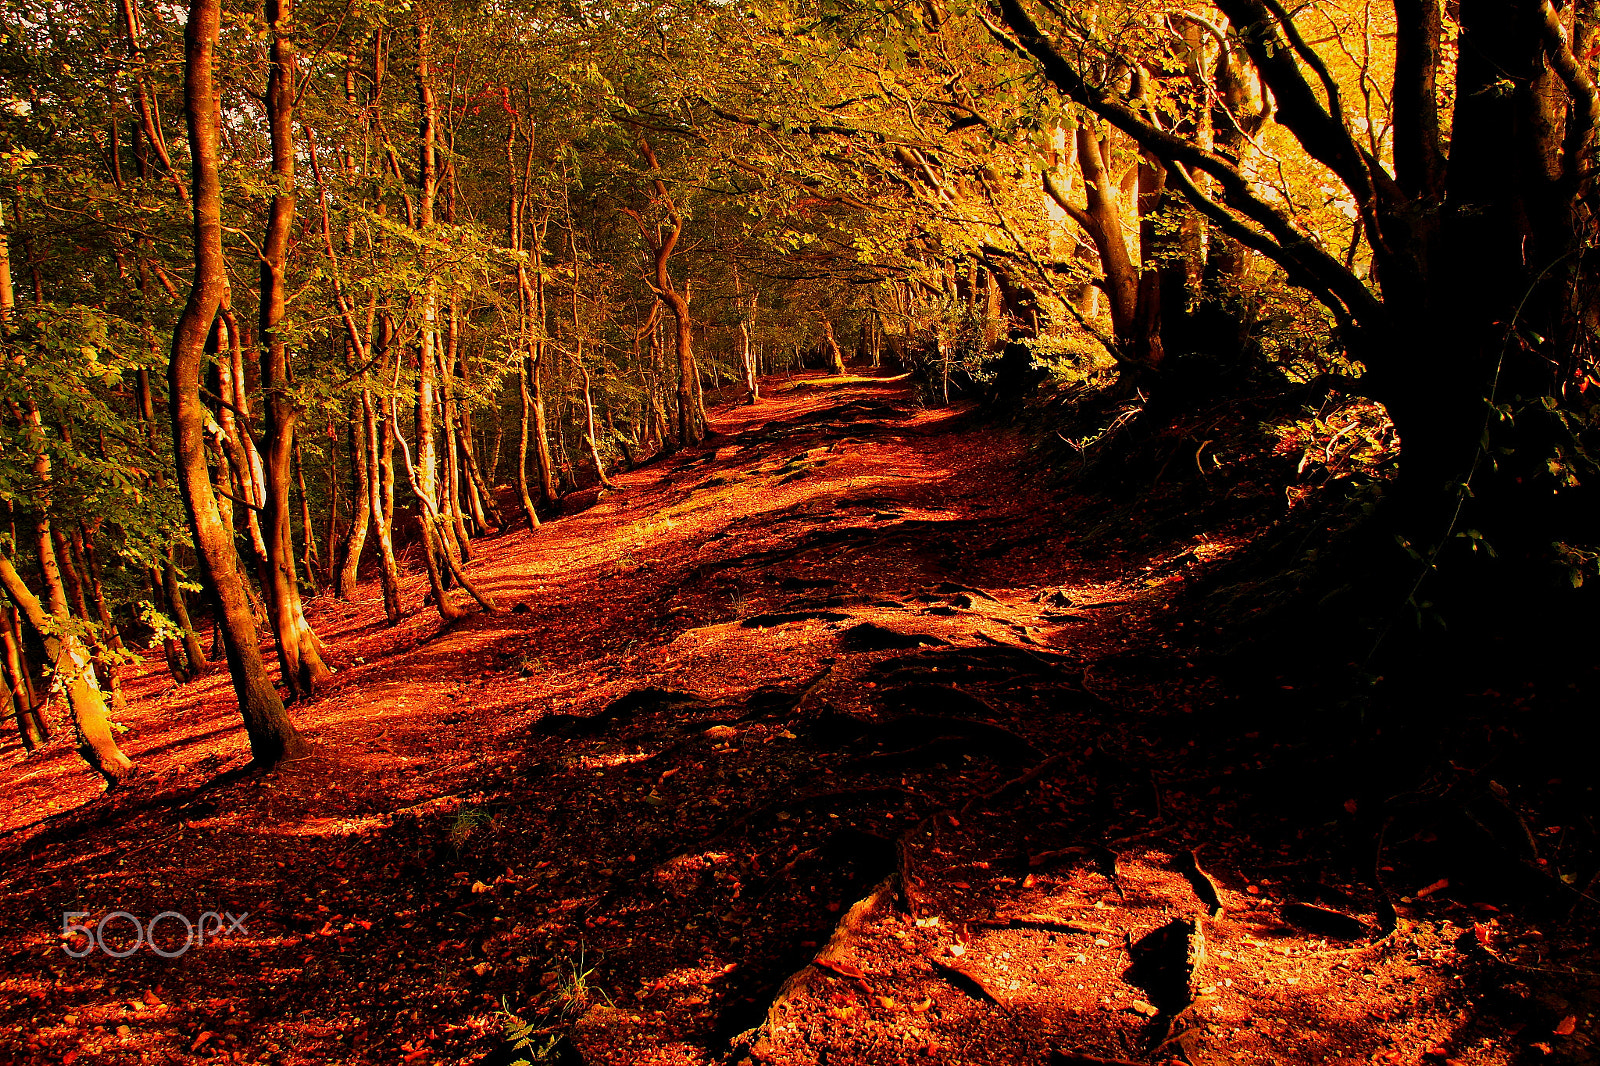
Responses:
[842,968]
[1567,1026]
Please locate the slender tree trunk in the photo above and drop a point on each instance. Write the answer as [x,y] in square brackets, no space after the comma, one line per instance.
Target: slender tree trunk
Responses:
[178,604]
[453,486]
[171,650]
[747,360]
[299,651]
[480,499]
[332,538]
[360,511]
[835,357]
[83,543]
[594,448]
[272,735]
[541,432]
[432,525]
[380,489]
[30,726]
[309,558]
[528,510]
[424,472]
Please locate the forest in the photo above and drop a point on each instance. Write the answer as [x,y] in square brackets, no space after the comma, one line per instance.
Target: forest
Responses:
[799,531]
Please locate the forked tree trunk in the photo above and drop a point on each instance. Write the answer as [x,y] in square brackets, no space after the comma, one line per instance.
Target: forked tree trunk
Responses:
[662,244]
[272,735]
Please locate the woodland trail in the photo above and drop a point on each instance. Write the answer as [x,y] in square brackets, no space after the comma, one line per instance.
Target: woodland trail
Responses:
[812,744]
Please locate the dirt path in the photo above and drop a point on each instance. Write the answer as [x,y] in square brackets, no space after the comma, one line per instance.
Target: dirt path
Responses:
[814,744]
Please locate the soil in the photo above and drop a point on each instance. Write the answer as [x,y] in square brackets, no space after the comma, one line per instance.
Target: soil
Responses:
[823,742]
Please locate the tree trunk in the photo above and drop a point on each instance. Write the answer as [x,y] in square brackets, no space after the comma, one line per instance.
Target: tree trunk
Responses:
[835,357]
[178,604]
[96,743]
[331,538]
[309,560]
[543,463]
[299,652]
[360,512]
[272,735]
[480,497]
[594,448]
[663,245]
[83,544]
[70,561]
[424,473]
[30,725]
[748,358]
[523,495]
[453,481]
[380,490]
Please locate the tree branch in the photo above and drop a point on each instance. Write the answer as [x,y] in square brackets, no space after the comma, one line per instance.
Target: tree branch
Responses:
[1285,242]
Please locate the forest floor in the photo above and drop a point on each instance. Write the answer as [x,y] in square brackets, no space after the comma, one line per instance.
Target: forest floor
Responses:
[818,743]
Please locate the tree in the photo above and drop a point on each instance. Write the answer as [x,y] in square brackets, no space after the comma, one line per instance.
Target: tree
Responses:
[1477,292]
[272,735]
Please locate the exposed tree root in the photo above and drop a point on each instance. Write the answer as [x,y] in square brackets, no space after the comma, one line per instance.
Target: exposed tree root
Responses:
[828,960]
